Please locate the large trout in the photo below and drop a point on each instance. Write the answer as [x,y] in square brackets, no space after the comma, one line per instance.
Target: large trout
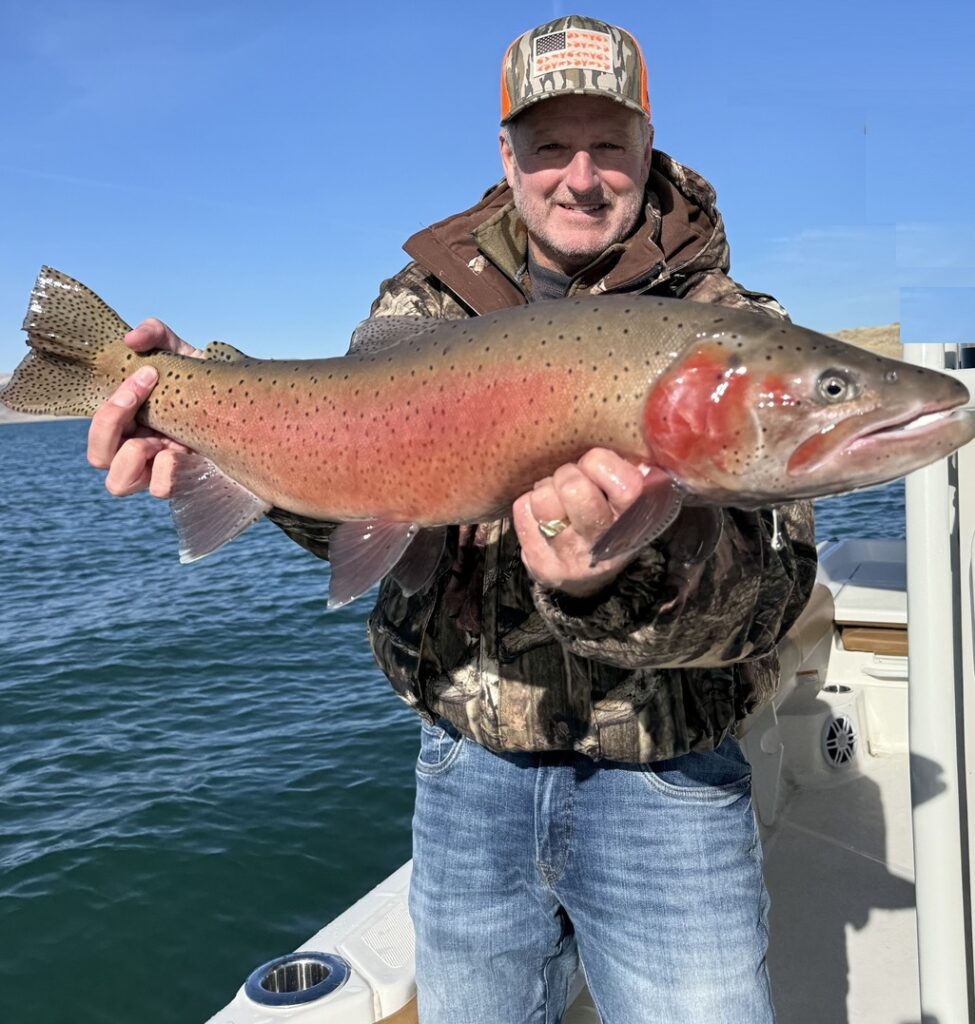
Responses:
[430,423]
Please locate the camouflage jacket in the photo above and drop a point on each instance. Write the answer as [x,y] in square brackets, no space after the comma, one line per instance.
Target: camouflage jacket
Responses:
[519,667]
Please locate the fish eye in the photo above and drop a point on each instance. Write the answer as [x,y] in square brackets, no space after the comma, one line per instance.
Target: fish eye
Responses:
[836,386]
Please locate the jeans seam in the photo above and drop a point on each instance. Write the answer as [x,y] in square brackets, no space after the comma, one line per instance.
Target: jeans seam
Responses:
[762,923]
[441,766]
[710,793]
[546,987]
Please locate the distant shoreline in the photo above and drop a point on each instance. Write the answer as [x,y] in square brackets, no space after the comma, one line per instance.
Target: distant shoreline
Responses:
[8,416]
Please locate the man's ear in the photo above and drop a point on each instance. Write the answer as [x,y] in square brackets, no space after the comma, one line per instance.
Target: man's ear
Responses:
[507,158]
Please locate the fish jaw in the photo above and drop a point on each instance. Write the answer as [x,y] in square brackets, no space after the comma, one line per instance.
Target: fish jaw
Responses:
[870,450]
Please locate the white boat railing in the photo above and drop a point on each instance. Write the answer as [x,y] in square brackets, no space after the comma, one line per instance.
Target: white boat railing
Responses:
[940,533]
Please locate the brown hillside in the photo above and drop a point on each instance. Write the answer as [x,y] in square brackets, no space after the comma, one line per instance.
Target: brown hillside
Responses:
[884,340]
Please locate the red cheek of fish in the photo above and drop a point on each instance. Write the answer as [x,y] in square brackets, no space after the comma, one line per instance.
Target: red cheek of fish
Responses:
[698,414]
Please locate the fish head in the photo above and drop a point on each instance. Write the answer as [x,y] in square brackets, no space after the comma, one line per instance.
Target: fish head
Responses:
[760,414]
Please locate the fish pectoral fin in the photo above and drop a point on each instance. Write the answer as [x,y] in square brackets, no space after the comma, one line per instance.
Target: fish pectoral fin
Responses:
[691,541]
[695,534]
[209,508]
[362,552]
[382,332]
[652,512]
[420,560]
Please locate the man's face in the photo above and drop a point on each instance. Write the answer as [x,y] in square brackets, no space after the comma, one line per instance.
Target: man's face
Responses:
[577,166]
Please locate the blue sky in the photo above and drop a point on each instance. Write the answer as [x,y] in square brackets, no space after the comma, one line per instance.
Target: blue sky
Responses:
[248,171]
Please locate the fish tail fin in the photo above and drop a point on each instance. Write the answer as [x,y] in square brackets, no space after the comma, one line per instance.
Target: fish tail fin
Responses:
[69,328]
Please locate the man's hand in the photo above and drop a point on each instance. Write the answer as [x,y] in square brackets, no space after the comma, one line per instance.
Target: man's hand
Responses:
[135,456]
[587,496]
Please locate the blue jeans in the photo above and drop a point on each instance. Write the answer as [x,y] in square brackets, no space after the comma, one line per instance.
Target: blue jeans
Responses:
[650,874]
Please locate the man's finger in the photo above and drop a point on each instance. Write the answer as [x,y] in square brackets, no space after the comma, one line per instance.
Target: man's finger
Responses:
[535,550]
[619,480]
[154,334]
[585,504]
[163,465]
[131,469]
[115,419]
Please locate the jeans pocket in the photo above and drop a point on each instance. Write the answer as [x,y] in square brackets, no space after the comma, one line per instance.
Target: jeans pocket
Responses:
[714,775]
[440,746]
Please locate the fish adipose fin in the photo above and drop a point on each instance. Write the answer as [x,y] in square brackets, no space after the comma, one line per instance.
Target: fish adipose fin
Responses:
[645,519]
[209,508]
[363,552]
[68,327]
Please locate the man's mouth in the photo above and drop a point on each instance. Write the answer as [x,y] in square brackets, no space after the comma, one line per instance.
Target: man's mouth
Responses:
[585,208]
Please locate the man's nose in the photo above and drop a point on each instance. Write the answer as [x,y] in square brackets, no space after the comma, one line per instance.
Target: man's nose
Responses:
[581,174]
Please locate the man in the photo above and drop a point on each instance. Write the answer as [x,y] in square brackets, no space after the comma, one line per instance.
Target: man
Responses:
[579,789]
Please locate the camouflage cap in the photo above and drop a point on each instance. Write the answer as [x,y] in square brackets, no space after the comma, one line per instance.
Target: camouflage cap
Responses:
[573,56]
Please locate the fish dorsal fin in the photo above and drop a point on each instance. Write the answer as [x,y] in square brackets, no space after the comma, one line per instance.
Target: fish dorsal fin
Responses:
[209,508]
[362,552]
[67,319]
[382,332]
[224,353]
[647,518]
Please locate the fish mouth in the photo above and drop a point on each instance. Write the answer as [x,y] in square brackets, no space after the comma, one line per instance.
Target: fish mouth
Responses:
[917,425]
[874,451]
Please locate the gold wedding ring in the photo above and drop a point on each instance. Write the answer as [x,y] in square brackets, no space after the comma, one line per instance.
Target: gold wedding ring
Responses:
[550,528]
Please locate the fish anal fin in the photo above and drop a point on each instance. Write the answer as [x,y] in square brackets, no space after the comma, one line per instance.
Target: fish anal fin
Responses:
[209,508]
[362,552]
[652,512]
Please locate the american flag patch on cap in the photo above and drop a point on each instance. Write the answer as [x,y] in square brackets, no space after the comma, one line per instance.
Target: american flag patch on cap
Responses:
[574,48]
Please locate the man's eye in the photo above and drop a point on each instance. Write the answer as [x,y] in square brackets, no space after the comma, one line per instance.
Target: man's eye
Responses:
[549,147]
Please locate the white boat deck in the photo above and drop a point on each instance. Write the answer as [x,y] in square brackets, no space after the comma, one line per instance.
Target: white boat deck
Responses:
[840,871]
[839,858]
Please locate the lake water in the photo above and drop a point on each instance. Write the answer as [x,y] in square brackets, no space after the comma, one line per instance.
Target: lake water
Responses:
[199,766]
